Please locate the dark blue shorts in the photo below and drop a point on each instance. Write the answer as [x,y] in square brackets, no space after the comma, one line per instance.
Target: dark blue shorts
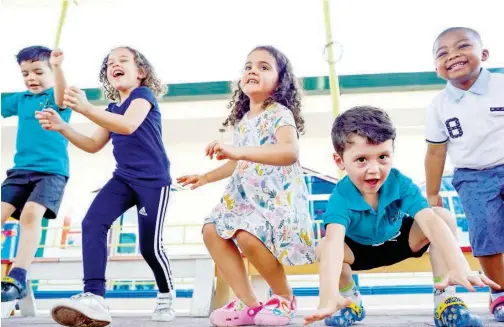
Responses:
[22,186]
[481,193]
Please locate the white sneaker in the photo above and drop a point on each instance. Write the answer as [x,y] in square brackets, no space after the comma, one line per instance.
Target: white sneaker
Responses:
[164,310]
[85,309]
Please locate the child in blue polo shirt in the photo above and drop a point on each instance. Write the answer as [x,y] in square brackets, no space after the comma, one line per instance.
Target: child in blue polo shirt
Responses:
[34,187]
[141,179]
[466,121]
[377,217]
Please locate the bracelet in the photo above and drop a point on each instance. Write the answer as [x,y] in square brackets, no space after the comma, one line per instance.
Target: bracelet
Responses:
[206,177]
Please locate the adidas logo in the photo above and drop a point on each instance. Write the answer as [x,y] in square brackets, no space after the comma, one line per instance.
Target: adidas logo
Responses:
[142,211]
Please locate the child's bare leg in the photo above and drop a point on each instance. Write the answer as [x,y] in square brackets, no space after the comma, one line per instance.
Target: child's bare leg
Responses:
[31,232]
[417,240]
[346,272]
[457,315]
[230,264]
[265,263]
[7,210]
[493,267]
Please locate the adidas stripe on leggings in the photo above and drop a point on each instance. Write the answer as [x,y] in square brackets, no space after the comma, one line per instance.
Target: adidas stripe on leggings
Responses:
[111,202]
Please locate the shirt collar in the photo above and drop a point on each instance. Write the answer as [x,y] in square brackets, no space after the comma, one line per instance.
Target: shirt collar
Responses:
[31,94]
[480,87]
[388,193]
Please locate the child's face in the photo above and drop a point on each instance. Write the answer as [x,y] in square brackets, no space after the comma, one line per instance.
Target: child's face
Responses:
[458,56]
[122,71]
[37,75]
[260,76]
[367,165]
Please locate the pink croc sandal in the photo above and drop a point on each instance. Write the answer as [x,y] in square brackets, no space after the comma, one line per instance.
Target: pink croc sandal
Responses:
[235,313]
[278,311]
[497,308]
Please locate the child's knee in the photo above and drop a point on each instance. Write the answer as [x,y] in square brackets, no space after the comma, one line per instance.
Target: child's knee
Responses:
[90,224]
[447,217]
[209,234]
[32,214]
[320,248]
[246,240]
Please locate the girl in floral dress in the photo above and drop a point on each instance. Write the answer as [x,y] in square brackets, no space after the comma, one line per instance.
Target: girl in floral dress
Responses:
[264,210]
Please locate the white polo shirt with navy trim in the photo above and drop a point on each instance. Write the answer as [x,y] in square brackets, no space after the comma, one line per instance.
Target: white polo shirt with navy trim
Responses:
[471,122]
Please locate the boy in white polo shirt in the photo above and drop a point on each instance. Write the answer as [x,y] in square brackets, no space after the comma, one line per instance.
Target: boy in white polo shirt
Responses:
[466,119]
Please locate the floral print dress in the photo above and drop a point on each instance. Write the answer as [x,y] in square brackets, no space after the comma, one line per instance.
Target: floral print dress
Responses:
[270,202]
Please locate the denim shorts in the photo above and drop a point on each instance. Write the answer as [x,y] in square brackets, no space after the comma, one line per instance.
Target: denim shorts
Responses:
[22,186]
[481,193]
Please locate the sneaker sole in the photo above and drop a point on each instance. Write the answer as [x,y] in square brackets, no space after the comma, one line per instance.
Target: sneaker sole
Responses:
[72,318]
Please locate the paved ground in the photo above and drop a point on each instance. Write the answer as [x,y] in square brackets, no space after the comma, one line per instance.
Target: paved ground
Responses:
[383,310]
[385,319]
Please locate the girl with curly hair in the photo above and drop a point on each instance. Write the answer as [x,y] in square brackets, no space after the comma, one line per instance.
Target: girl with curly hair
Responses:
[141,179]
[264,210]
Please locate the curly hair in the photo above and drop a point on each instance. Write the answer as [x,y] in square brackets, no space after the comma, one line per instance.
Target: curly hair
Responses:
[150,80]
[287,92]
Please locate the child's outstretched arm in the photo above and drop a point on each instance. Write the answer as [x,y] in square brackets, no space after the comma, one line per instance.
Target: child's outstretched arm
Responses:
[332,251]
[51,120]
[441,237]
[284,153]
[224,171]
[60,83]
[121,124]
[434,166]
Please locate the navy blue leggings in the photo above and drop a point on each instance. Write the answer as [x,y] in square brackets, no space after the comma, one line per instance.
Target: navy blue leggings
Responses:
[111,202]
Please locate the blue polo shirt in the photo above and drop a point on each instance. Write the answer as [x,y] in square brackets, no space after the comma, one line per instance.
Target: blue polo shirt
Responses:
[36,148]
[141,157]
[398,197]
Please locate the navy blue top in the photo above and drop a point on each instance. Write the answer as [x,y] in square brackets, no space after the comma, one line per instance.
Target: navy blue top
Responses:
[141,157]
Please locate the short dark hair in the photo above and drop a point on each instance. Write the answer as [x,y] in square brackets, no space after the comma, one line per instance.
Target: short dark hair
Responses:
[366,121]
[468,30]
[33,53]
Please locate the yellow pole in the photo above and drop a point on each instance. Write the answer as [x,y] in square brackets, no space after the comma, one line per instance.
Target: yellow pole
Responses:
[64,7]
[333,77]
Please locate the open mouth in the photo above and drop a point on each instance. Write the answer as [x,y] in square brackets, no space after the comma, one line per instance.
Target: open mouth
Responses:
[373,182]
[252,81]
[117,73]
[457,66]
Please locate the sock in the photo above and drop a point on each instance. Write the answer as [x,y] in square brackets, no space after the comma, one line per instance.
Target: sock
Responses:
[19,274]
[440,296]
[496,295]
[352,292]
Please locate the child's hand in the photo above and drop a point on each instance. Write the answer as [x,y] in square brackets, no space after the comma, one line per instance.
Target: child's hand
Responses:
[50,120]
[57,57]
[76,99]
[435,200]
[467,279]
[338,302]
[223,151]
[195,180]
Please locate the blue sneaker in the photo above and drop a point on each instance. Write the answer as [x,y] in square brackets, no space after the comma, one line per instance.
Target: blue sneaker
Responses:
[347,316]
[453,312]
[12,290]
[497,309]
